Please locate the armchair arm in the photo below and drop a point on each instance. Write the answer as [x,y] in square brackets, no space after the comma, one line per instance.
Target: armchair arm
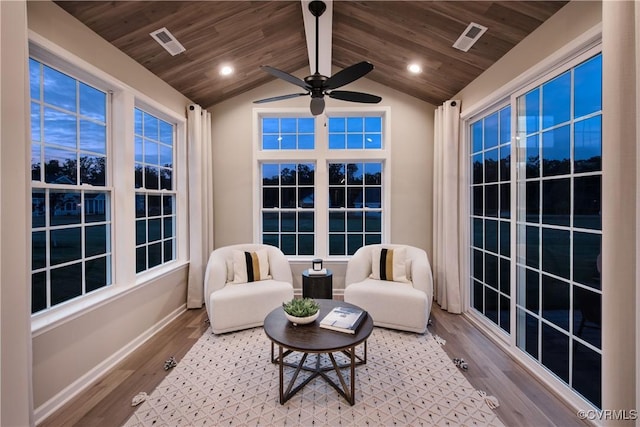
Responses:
[215,275]
[359,266]
[421,274]
[279,266]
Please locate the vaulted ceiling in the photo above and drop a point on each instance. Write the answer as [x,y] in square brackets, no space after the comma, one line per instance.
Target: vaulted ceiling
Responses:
[247,34]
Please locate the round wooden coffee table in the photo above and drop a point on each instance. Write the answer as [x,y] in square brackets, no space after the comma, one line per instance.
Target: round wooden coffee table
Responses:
[312,339]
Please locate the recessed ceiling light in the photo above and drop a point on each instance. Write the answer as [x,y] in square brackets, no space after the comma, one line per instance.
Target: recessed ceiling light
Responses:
[226,70]
[414,68]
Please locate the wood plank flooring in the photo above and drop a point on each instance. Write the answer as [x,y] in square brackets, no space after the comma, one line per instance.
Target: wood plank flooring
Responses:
[523,400]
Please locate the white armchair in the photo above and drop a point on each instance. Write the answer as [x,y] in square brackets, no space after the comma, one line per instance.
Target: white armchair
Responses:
[235,306]
[395,305]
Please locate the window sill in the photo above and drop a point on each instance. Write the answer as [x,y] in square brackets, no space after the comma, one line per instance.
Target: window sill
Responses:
[68,311]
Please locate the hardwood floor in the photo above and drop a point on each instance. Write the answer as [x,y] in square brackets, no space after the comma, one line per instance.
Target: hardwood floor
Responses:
[523,400]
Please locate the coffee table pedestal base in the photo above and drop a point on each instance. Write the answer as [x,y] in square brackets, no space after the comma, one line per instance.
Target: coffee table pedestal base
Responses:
[346,390]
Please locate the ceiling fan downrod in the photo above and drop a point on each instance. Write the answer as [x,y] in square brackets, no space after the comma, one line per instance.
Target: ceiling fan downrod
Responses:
[317,8]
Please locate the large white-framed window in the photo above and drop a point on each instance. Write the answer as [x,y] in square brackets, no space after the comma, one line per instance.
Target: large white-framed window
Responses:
[70,187]
[551,244]
[288,207]
[320,182]
[155,195]
[355,205]
[559,227]
[490,194]
[355,187]
[82,145]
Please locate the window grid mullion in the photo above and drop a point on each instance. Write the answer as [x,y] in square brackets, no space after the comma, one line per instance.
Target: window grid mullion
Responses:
[48,248]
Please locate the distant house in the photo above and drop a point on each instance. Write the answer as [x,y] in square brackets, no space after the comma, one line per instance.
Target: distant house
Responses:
[66,204]
[94,204]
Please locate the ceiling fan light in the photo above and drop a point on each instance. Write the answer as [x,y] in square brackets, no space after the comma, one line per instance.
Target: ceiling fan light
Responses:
[317,106]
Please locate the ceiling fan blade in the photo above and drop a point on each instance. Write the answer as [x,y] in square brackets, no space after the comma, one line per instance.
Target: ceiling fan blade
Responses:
[317,106]
[285,76]
[346,95]
[348,75]
[280,98]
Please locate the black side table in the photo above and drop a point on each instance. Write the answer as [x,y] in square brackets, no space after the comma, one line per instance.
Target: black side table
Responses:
[317,285]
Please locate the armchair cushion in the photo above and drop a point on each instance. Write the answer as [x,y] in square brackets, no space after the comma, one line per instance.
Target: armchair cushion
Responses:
[389,264]
[250,266]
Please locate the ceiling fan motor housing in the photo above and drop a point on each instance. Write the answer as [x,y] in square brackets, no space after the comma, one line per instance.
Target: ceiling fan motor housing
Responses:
[317,8]
[316,84]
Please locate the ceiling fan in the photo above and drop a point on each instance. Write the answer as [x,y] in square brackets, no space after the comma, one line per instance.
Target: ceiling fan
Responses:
[318,85]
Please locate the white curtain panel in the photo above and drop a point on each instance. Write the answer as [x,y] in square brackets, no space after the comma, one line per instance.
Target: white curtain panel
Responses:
[447,199]
[200,201]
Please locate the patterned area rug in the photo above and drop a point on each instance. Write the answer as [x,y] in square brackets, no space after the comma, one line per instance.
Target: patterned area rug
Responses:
[229,380]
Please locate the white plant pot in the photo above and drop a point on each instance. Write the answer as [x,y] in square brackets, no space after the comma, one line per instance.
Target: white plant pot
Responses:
[302,320]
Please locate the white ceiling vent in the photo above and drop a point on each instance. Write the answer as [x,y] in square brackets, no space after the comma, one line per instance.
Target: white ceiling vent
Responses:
[469,36]
[168,41]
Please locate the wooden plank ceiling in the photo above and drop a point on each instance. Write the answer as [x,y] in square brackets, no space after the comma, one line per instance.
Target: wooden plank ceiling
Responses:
[247,34]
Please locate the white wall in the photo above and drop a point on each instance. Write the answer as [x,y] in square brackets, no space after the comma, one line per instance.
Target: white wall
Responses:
[411,164]
[620,139]
[15,303]
[71,354]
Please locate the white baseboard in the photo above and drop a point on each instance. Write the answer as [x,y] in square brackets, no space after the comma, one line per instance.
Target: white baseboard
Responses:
[81,384]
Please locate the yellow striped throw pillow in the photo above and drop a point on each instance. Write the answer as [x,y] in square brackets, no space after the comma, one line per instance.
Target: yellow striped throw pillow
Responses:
[389,264]
[250,266]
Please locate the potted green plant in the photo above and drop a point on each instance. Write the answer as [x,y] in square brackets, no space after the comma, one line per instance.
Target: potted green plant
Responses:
[301,311]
